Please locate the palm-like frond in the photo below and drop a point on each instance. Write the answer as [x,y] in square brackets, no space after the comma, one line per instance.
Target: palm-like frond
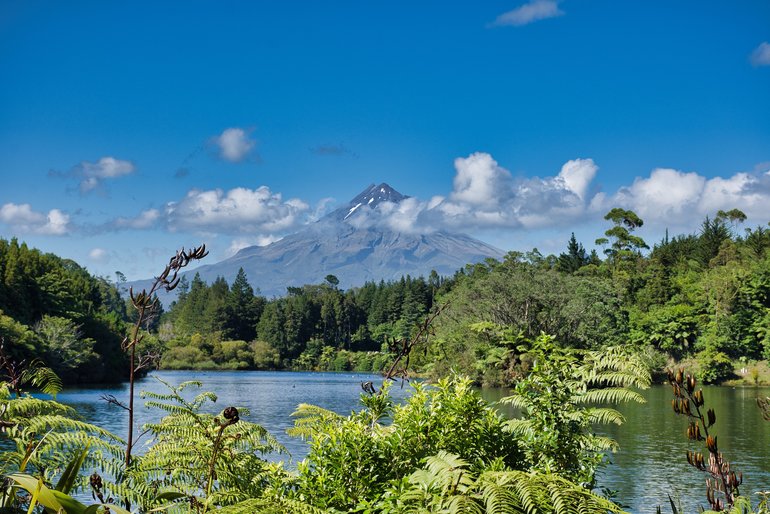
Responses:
[603,416]
[610,395]
[309,418]
[447,485]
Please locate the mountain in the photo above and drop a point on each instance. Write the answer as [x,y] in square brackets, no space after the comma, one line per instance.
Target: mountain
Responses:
[343,244]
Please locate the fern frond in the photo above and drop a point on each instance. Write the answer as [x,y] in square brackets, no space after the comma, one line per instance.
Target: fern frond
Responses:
[598,415]
[610,395]
[272,506]
[42,378]
[520,427]
[309,419]
[516,401]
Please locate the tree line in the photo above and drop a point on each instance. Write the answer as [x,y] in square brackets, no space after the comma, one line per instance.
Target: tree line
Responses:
[702,299]
[52,309]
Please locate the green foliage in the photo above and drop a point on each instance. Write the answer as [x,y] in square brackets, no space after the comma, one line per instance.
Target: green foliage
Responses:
[624,245]
[52,309]
[209,460]
[352,459]
[558,399]
[581,311]
[670,328]
[448,485]
[42,439]
[52,500]
[63,344]
[575,258]
[714,366]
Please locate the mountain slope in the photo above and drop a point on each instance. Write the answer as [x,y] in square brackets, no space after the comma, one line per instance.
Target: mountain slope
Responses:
[334,245]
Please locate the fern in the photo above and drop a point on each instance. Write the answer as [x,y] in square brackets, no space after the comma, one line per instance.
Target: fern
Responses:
[309,419]
[46,438]
[558,404]
[206,461]
[447,485]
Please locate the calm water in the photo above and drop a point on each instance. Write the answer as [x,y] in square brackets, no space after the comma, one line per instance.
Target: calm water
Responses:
[650,464]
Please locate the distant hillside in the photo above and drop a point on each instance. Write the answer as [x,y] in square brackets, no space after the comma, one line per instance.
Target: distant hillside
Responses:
[334,245]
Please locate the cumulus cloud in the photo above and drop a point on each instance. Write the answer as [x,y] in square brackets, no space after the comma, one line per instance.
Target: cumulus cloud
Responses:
[234,144]
[24,220]
[93,174]
[530,12]
[486,195]
[239,210]
[682,199]
[479,180]
[761,55]
[99,255]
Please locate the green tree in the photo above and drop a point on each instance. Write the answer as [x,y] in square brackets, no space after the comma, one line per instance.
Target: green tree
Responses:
[575,257]
[64,345]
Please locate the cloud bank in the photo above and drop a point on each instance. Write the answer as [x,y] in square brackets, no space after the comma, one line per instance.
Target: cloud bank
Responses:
[486,196]
[237,211]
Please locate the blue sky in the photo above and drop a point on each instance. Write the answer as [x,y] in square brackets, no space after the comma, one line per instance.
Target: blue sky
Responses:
[128,130]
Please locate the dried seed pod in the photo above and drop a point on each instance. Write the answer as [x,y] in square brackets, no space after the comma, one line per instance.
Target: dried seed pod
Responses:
[712,417]
[679,376]
[711,443]
[698,398]
[690,384]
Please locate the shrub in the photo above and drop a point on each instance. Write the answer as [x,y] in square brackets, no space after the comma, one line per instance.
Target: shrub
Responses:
[714,366]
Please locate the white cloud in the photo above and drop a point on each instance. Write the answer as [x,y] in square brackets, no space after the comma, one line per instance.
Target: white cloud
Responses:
[234,144]
[99,255]
[577,175]
[761,55]
[146,219]
[479,180]
[486,195]
[665,194]
[238,210]
[107,167]
[240,243]
[532,11]
[22,218]
[92,174]
[679,199]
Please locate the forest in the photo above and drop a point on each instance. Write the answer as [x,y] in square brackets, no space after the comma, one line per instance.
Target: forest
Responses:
[701,300]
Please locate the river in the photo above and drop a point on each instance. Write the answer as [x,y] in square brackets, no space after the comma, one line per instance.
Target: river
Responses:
[650,465]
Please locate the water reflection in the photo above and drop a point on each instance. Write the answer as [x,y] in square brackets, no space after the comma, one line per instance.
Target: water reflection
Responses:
[652,463]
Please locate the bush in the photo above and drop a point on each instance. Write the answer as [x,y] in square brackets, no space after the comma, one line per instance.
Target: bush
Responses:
[715,366]
[353,459]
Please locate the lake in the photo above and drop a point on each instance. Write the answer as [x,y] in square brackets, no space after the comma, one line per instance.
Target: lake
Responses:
[650,465]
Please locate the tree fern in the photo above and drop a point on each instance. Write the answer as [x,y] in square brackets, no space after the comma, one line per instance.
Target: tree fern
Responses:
[209,461]
[558,403]
[45,437]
